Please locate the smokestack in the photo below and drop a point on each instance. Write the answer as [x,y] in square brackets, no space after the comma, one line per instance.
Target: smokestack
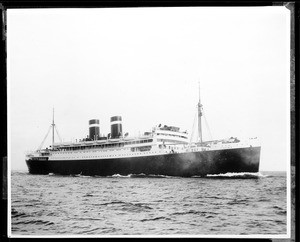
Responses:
[94,129]
[116,127]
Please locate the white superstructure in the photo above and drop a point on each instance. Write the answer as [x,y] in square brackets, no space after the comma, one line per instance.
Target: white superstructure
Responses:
[162,140]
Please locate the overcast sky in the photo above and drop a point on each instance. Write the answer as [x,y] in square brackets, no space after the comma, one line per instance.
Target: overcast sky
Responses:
[145,64]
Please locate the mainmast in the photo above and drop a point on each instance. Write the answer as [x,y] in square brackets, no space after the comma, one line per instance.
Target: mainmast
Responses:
[199,118]
[53,130]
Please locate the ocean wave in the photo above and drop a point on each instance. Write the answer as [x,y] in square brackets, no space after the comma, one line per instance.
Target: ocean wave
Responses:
[277,207]
[190,212]
[119,176]
[117,205]
[279,210]
[88,195]
[238,202]
[90,230]
[237,175]
[141,175]
[15,214]
[155,218]
[36,222]
[111,203]
[206,214]
[128,205]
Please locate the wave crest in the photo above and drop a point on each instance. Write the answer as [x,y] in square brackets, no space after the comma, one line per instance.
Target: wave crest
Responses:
[141,175]
[237,175]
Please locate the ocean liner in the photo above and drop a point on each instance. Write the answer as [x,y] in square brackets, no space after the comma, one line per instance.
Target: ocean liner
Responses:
[165,150]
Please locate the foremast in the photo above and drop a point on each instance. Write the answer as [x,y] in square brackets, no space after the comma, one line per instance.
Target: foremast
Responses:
[199,118]
[52,126]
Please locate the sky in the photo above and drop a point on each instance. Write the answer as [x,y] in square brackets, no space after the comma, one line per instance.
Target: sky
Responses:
[145,65]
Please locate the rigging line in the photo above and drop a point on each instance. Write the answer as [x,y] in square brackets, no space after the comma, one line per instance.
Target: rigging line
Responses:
[44,138]
[206,123]
[57,133]
[193,129]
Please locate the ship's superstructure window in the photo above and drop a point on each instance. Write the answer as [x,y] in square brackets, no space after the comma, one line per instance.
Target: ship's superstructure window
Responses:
[101,146]
[173,135]
[142,148]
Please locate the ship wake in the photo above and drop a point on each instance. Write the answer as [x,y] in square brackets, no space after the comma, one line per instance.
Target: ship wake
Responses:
[141,175]
[237,175]
[228,175]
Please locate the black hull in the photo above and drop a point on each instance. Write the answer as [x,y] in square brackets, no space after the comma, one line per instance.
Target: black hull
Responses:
[183,164]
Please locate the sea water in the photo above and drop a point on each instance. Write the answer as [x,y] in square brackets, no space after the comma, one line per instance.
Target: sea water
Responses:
[230,204]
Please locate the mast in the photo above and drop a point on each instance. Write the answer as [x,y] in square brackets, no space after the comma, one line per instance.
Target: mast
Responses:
[199,118]
[53,130]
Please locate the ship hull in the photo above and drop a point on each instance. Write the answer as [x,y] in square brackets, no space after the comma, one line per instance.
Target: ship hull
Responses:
[176,164]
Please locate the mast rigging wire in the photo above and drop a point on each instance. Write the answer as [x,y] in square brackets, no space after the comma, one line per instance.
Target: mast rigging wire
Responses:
[193,129]
[206,123]
[39,148]
[57,133]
